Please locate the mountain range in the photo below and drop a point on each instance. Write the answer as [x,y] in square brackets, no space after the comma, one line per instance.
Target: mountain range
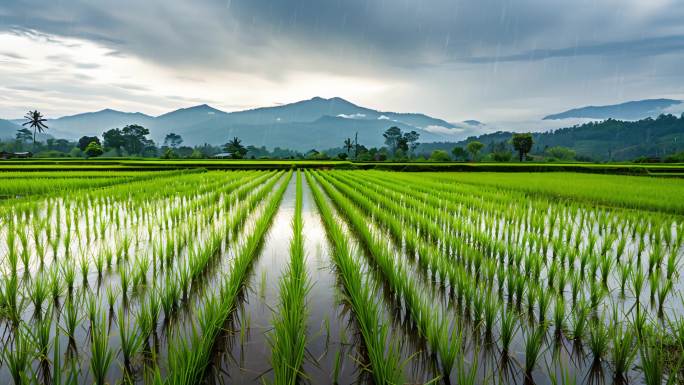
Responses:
[633,110]
[315,123]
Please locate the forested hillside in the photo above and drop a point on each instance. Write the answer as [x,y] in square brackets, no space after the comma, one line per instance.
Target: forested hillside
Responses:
[606,140]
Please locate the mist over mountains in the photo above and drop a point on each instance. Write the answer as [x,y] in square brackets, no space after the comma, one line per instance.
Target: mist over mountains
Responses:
[314,123]
[321,124]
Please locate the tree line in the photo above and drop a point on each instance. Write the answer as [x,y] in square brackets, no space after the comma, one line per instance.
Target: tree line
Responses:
[657,138]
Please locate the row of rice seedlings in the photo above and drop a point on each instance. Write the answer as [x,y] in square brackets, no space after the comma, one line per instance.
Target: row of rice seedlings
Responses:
[606,264]
[288,339]
[432,324]
[430,257]
[188,358]
[199,259]
[484,309]
[44,225]
[396,222]
[553,209]
[383,353]
[140,266]
[37,294]
[99,260]
[64,182]
[197,207]
[168,249]
[665,286]
[610,190]
[598,336]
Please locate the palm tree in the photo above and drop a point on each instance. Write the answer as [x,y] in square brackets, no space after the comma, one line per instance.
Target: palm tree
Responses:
[236,148]
[36,121]
[348,145]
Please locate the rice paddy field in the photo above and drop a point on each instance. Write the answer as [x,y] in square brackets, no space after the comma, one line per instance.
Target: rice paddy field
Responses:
[309,276]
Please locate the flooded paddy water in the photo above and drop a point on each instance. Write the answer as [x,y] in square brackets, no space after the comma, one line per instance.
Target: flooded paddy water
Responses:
[471,284]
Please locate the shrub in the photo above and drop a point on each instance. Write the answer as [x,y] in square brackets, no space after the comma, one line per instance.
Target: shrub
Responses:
[502,156]
[439,156]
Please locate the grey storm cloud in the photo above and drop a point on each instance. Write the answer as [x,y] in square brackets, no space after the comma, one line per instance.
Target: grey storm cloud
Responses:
[240,34]
[460,58]
[640,47]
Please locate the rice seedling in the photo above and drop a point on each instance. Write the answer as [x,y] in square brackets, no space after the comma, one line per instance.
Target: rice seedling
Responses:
[39,293]
[69,276]
[533,348]
[71,317]
[17,357]
[599,339]
[491,310]
[624,349]
[62,376]
[467,376]
[579,321]
[101,356]
[663,291]
[653,363]
[450,348]
[112,295]
[639,324]
[85,269]
[41,337]
[508,328]
[131,341]
[100,264]
[544,300]
[559,315]
[625,271]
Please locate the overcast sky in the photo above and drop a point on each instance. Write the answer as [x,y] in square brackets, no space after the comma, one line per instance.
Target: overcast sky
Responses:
[491,60]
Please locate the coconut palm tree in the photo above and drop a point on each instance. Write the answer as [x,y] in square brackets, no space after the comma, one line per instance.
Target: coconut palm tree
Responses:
[235,147]
[348,145]
[35,120]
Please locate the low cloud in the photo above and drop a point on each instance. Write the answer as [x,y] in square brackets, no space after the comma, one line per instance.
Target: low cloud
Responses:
[352,116]
[444,130]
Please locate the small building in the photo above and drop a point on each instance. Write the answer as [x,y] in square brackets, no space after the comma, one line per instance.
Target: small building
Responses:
[13,155]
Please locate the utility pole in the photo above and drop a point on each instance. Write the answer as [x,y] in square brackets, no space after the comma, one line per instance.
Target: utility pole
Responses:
[356,145]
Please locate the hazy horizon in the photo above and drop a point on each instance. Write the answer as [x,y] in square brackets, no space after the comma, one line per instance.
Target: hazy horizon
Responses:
[493,61]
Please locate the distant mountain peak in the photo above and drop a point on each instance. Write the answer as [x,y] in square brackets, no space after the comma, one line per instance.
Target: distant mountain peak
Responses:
[106,111]
[201,108]
[336,99]
[473,122]
[631,110]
